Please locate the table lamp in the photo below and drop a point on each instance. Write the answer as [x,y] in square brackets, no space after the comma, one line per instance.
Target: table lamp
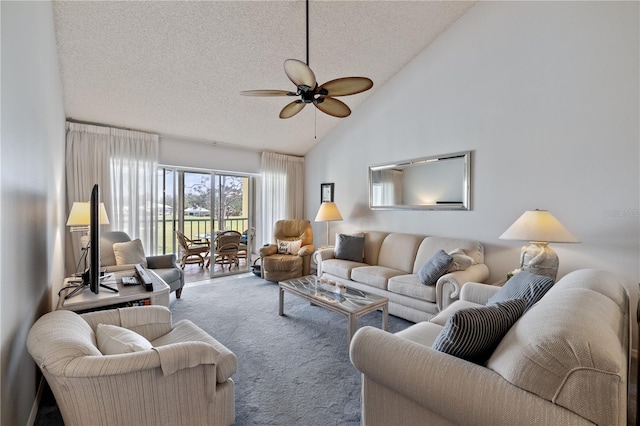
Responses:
[79,221]
[328,211]
[540,228]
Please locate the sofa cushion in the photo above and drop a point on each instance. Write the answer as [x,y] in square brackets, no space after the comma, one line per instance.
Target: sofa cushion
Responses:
[460,260]
[434,268]
[410,285]
[473,333]
[376,276]
[113,340]
[340,268]
[423,332]
[430,245]
[129,253]
[398,251]
[349,247]
[523,285]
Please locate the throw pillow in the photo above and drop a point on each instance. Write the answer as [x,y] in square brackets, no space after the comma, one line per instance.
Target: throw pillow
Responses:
[460,260]
[129,253]
[523,285]
[349,247]
[473,333]
[113,340]
[434,268]
[289,247]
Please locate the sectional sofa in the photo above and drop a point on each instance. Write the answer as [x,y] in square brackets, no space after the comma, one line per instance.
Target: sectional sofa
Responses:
[390,266]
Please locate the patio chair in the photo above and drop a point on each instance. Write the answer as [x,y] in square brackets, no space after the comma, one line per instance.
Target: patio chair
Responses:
[193,251]
[246,243]
[226,248]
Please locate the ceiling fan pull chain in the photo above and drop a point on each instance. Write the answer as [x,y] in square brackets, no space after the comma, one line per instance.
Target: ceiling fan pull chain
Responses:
[307,32]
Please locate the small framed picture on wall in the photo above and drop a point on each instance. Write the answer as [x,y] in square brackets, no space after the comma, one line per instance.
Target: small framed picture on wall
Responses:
[326,192]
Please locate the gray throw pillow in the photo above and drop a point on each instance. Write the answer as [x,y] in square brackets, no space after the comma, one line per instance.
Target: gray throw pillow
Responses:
[349,247]
[523,285]
[434,268]
[473,333]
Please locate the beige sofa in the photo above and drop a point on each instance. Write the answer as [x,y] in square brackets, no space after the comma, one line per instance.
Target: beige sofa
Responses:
[390,267]
[564,362]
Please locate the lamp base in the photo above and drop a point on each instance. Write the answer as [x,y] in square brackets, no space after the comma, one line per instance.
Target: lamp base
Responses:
[539,259]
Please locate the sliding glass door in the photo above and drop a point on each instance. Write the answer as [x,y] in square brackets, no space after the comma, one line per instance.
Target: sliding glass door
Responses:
[201,205]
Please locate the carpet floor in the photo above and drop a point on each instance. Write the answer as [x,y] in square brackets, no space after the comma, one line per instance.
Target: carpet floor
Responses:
[293,370]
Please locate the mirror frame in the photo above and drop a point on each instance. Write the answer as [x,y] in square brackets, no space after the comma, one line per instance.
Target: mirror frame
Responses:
[466,190]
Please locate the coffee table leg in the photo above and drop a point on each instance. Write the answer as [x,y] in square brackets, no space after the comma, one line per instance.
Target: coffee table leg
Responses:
[385,317]
[281,307]
[353,327]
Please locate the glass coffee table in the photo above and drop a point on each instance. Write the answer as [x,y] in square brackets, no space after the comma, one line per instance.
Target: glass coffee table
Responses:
[352,303]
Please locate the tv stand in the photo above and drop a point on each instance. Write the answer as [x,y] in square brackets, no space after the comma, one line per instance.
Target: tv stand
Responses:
[135,295]
[84,284]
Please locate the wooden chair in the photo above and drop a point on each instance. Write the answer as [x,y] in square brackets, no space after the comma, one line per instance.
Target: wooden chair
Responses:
[193,251]
[226,248]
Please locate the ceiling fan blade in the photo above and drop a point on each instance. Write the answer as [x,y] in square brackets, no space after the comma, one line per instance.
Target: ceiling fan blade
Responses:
[332,107]
[299,73]
[267,93]
[346,86]
[292,109]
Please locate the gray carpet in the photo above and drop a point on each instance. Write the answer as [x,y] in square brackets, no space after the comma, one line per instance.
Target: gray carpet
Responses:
[292,370]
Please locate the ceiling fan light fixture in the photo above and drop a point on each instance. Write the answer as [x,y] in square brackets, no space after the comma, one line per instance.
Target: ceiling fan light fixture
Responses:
[307,88]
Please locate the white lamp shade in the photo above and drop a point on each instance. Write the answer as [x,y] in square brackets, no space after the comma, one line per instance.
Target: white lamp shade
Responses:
[328,211]
[80,214]
[538,226]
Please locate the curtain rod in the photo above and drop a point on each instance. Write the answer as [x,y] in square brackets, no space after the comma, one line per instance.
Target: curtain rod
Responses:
[161,135]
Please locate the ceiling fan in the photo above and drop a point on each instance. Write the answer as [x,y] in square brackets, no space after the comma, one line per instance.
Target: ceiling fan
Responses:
[307,88]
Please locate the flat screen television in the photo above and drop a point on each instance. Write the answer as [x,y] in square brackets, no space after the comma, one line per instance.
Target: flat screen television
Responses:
[92,275]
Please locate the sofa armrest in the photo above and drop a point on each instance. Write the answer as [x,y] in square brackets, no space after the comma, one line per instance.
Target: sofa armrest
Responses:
[163,261]
[449,285]
[321,255]
[477,292]
[456,390]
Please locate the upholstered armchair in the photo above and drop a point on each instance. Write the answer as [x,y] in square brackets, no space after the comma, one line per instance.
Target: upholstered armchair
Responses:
[127,253]
[101,372]
[290,254]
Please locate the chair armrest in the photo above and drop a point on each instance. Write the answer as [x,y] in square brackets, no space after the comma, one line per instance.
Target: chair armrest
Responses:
[325,254]
[454,389]
[163,261]
[268,250]
[178,356]
[306,250]
[477,292]
[449,285]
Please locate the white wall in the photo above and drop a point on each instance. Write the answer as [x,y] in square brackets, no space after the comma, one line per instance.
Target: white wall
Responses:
[32,209]
[546,95]
[184,152]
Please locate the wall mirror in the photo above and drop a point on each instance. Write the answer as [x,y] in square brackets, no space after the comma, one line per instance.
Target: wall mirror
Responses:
[441,182]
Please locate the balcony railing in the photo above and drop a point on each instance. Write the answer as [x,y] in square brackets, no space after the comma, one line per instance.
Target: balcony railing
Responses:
[194,227]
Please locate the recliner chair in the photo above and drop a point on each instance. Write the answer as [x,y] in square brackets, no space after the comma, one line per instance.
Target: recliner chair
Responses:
[277,265]
[164,265]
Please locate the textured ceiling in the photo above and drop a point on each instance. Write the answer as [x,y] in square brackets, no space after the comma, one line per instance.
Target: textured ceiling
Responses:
[177,67]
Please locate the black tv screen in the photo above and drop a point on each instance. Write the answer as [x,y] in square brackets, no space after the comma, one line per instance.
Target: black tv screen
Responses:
[94,244]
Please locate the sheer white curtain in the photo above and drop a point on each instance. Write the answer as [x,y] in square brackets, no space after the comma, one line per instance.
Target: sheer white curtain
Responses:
[124,164]
[282,190]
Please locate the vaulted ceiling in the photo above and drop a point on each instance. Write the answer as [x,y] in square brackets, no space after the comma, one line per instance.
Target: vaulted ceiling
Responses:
[177,68]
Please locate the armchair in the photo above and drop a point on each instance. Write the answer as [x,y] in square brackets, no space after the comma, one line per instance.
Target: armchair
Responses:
[278,265]
[184,379]
[164,265]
